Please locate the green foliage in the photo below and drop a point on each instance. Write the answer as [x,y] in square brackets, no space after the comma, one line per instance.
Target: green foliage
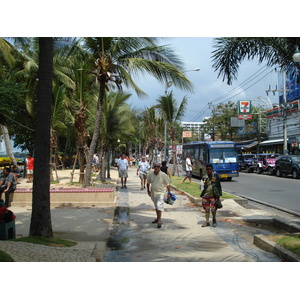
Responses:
[4,257]
[194,188]
[230,52]
[290,242]
[54,242]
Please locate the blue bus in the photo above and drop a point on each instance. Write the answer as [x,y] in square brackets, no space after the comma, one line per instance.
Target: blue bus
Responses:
[221,154]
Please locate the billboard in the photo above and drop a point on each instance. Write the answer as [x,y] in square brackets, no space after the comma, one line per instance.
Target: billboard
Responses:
[292,86]
[186,134]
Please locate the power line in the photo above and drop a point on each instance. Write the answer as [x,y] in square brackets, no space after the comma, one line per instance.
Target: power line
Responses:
[247,81]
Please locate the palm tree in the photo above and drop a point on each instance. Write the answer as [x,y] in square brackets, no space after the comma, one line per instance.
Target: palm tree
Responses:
[116,59]
[151,132]
[172,113]
[41,217]
[231,51]
[116,122]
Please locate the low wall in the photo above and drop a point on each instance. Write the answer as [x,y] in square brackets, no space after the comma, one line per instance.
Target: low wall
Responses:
[100,197]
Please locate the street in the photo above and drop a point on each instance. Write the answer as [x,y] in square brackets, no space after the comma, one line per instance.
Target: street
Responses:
[280,192]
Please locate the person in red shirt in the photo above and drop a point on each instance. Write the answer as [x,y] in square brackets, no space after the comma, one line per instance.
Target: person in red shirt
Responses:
[30,167]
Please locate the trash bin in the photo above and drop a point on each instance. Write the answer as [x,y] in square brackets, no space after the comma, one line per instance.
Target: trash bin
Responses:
[8,230]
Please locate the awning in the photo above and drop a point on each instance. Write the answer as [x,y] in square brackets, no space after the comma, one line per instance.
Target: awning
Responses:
[252,144]
[279,141]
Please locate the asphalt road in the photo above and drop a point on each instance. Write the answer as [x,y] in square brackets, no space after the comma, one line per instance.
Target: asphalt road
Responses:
[279,192]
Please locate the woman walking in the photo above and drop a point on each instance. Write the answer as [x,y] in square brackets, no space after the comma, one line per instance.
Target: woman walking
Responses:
[211,192]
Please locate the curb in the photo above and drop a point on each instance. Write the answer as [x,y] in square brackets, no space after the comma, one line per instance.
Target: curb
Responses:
[260,240]
[195,200]
[265,244]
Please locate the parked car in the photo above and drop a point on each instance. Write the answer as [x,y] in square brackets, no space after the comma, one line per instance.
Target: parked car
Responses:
[248,162]
[288,164]
[266,163]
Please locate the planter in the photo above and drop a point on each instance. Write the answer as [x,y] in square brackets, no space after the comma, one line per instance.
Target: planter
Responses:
[8,230]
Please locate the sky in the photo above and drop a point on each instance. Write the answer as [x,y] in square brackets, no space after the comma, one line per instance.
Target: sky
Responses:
[253,80]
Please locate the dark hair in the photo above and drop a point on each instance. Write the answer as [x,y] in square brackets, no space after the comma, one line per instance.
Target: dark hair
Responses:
[7,169]
[164,163]
[209,166]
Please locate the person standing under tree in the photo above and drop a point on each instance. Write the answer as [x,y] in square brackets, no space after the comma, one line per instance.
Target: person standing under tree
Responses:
[188,168]
[158,181]
[142,171]
[122,166]
[30,167]
[211,192]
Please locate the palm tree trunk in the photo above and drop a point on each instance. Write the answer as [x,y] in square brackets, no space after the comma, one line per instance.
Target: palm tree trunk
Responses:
[96,134]
[41,217]
[7,143]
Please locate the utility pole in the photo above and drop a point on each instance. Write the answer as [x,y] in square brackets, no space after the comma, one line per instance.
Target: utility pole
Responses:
[284,106]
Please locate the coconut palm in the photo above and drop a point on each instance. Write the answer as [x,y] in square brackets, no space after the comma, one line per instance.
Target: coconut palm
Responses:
[116,60]
[151,132]
[116,123]
[172,113]
[231,51]
[41,217]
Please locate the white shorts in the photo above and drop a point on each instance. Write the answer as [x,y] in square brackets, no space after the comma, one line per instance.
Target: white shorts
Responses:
[29,171]
[123,173]
[158,202]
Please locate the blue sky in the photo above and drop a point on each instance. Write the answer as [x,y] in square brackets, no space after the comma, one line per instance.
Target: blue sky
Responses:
[196,53]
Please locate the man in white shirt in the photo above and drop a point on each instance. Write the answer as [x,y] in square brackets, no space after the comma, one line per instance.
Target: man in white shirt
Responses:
[142,171]
[122,166]
[188,169]
[159,181]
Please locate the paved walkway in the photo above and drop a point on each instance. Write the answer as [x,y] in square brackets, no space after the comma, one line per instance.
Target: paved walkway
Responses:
[181,237]
[127,234]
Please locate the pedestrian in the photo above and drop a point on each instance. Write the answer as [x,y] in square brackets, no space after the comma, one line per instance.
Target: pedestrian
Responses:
[143,171]
[157,183]
[7,185]
[95,163]
[16,173]
[30,167]
[164,168]
[212,191]
[188,169]
[122,166]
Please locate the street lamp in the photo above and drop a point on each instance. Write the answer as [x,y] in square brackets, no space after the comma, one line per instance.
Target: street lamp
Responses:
[168,85]
[296,56]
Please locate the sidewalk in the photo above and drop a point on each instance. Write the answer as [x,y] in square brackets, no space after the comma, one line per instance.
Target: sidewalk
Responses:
[130,236]
[134,238]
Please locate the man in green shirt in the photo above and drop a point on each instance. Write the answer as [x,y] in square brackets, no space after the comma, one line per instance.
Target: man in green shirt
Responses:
[157,183]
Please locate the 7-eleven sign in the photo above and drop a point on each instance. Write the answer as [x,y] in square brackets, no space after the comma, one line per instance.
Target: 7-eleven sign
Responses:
[244,107]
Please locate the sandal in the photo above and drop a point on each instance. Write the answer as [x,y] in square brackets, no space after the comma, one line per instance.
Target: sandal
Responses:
[206,224]
[155,221]
[159,225]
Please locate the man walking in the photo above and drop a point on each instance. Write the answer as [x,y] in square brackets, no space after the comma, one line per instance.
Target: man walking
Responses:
[7,185]
[142,171]
[188,168]
[122,166]
[158,181]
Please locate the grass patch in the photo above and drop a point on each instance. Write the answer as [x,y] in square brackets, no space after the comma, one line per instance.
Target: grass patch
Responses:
[4,257]
[53,242]
[193,188]
[289,242]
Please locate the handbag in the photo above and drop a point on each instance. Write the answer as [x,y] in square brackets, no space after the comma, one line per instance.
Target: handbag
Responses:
[218,203]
